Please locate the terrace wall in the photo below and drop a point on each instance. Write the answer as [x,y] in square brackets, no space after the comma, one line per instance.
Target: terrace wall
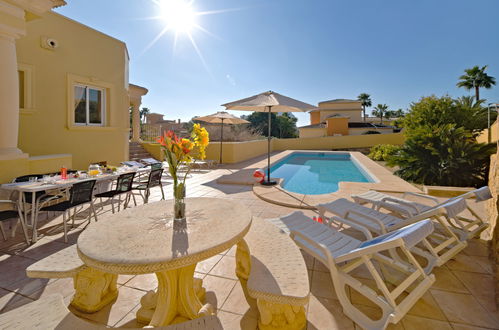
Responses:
[493,213]
[338,142]
[494,133]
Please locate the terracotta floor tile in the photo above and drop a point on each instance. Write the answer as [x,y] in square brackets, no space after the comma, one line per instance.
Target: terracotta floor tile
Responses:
[480,285]
[411,322]
[145,282]
[226,267]
[322,285]
[458,326]
[427,307]
[446,280]
[477,247]
[486,263]
[236,321]
[237,302]
[127,299]
[122,279]
[375,314]
[465,263]
[463,308]
[326,313]
[11,300]
[62,286]
[217,289]
[206,265]
[309,260]
[129,320]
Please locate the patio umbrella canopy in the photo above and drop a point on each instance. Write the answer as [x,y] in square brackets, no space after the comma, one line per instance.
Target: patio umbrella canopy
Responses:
[269,102]
[222,117]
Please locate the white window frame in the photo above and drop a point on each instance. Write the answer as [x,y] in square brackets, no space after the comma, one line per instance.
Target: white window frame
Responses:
[87,106]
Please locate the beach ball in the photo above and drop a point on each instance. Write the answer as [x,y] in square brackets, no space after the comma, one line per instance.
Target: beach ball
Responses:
[259,176]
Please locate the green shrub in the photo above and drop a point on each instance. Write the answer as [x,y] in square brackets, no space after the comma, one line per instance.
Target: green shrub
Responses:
[370,132]
[445,156]
[383,151]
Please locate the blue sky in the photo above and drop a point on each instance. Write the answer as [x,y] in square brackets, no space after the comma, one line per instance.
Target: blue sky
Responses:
[395,50]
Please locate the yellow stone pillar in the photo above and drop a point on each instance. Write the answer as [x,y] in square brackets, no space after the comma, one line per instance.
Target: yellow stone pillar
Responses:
[136,92]
[135,121]
[12,27]
[13,14]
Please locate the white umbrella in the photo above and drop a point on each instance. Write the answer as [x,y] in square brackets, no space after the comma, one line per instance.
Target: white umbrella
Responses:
[219,118]
[269,102]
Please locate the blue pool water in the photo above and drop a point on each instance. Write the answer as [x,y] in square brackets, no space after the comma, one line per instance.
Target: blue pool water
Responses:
[317,173]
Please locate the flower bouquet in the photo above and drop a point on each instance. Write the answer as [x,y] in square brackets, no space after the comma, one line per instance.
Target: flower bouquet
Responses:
[179,153]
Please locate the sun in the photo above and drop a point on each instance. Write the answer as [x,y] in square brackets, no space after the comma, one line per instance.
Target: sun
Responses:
[178,15]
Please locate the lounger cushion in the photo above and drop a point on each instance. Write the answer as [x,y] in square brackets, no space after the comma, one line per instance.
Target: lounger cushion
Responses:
[412,234]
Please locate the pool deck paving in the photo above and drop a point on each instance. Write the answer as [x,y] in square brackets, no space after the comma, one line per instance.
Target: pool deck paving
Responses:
[461,298]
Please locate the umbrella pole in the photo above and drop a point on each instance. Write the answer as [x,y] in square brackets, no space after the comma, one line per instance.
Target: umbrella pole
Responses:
[221,139]
[268,182]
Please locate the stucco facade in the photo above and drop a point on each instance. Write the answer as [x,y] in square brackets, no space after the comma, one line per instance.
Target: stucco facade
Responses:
[82,57]
[338,117]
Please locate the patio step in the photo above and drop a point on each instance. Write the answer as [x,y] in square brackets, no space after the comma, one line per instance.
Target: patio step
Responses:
[137,152]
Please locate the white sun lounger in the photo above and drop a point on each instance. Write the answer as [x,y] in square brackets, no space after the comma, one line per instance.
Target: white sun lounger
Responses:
[443,244]
[343,254]
[407,208]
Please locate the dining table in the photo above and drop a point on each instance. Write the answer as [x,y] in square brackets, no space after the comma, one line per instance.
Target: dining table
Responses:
[146,239]
[55,184]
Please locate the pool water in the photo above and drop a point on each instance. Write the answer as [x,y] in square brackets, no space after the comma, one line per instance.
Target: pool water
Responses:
[317,173]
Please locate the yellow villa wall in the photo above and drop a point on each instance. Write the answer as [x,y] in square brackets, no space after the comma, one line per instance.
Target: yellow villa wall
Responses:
[337,125]
[494,130]
[85,56]
[234,152]
[10,169]
[339,142]
[312,132]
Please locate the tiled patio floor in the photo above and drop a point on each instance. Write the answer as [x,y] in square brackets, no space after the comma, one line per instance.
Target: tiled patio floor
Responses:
[462,297]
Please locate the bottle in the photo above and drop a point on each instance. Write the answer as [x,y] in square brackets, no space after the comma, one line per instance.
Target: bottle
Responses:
[64,173]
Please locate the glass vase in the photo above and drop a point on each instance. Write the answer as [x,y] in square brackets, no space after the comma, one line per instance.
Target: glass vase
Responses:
[179,203]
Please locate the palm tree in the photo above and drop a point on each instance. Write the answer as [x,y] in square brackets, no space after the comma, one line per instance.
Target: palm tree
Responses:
[476,78]
[380,110]
[143,114]
[366,102]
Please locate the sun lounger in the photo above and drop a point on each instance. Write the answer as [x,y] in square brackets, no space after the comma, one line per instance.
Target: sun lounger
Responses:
[343,254]
[448,239]
[405,207]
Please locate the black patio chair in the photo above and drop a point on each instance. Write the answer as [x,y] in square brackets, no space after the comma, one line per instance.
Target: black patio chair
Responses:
[123,187]
[80,193]
[12,214]
[154,180]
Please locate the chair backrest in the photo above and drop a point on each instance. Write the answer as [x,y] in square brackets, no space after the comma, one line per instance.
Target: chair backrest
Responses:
[156,166]
[125,182]
[155,178]
[25,178]
[82,192]
[149,161]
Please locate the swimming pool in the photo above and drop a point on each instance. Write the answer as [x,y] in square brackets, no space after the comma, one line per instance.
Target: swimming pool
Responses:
[317,173]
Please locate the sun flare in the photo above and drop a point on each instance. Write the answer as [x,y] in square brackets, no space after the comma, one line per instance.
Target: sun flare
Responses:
[178,15]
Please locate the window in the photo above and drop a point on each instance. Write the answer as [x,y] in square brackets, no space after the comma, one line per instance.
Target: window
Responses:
[22,89]
[89,105]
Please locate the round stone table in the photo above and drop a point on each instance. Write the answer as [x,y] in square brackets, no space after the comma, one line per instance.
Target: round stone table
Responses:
[145,239]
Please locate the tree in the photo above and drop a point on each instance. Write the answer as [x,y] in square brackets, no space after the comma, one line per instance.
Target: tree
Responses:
[476,78]
[441,146]
[380,110]
[286,125]
[443,155]
[283,126]
[366,102]
[143,114]
[437,111]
